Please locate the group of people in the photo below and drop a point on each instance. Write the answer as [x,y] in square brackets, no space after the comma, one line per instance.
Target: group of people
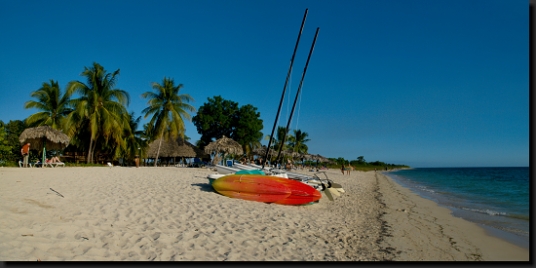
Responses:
[25,152]
[257,161]
[346,169]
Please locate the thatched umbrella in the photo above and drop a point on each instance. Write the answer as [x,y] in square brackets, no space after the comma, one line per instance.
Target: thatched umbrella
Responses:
[307,156]
[46,137]
[320,158]
[224,146]
[290,153]
[260,151]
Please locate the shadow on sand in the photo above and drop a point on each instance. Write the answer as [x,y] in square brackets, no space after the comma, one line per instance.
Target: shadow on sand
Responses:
[206,187]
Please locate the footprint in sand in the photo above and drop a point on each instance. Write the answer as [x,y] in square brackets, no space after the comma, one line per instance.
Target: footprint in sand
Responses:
[81,235]
[155,236]
[61,235]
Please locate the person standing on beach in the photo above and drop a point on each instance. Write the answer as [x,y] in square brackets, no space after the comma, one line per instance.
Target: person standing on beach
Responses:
[289,165]
[25,152]
[342,168]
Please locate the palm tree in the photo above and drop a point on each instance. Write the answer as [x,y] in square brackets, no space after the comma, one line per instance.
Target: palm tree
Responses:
[132,143]
[52,104]
[100,108]
[277,141]
[168,109]
[297,141]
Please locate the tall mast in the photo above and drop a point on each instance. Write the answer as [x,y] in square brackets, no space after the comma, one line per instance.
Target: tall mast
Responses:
[297,94]
[284,88]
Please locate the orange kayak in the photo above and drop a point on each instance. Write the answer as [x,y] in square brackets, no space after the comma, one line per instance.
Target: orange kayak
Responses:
[268,189]
[251,187]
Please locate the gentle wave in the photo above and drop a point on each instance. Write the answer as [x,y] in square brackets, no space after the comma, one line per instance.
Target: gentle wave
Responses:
[486,211]
[424,188]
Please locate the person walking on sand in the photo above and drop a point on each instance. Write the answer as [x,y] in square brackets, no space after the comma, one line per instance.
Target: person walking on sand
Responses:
[25,152]
[342,168]
[348,169]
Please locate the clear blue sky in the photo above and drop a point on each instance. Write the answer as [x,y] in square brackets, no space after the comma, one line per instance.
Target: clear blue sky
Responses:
[417,82]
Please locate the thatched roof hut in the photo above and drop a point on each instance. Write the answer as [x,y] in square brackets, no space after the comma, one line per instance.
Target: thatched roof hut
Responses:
[175,148]
[171,148]
[44,136]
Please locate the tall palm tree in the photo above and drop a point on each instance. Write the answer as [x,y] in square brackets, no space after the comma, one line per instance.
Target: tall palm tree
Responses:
[101,107]
[53,105]
[168,109]
[297,141]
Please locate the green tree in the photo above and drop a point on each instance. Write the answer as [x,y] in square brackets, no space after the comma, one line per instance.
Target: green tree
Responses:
[340,161]
[168,109]
[5,147]
[132,139]
[248,128]
[297,141]
[220,117]
[361,160]
[215,119]
[53,106]
[11,143]
[13,129]
[100,112]
[278,139]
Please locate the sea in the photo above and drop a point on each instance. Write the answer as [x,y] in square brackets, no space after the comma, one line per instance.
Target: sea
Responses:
[496,198]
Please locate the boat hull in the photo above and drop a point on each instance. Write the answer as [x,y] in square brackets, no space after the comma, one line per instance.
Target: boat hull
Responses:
[268,189]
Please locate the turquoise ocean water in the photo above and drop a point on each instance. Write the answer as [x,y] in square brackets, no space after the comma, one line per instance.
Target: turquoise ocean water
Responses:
[495,198]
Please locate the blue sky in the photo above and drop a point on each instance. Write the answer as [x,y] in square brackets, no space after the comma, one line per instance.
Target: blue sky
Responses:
[416,82]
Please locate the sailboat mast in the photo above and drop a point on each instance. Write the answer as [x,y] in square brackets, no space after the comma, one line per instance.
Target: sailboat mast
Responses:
[297,94]
[285,87]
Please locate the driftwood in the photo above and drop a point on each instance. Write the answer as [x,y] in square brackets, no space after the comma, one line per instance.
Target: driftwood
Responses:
[57,192]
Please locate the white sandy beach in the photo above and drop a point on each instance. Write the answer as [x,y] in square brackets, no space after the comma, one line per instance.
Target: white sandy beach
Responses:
[173,214]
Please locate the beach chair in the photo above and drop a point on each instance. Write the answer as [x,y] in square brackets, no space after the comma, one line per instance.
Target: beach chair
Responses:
[198,163]
[21,163]
[37,164]
[56,164]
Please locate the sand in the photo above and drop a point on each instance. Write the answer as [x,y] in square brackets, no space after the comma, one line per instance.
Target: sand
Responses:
[173,214]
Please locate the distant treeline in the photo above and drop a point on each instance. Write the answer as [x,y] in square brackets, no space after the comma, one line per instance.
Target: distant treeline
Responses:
[361,164]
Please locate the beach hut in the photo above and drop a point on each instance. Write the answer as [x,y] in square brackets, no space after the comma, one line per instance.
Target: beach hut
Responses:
[172,148]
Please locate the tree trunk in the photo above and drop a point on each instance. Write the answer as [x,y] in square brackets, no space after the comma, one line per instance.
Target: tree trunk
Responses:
[93,152]
[158,152]
[89,158]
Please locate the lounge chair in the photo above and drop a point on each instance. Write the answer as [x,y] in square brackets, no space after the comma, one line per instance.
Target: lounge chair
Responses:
[198,163]
[21,163]
[55,164]
[37,164]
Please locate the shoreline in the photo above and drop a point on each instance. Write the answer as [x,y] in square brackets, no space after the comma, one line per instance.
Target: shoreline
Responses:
[172,214]
[513,238]
[455,235]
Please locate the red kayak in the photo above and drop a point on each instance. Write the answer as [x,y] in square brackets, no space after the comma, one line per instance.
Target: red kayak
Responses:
[268,189]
